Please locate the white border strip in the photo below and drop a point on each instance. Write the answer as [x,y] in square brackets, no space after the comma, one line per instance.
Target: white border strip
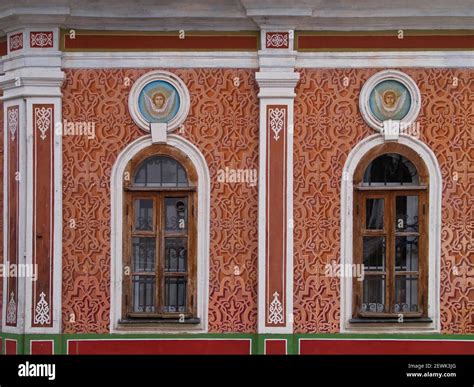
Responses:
[169,59]
[56,277]
[22,188]
[262,259]
[391,59]
[244,59]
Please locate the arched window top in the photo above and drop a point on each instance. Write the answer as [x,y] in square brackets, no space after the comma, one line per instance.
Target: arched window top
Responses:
[160,172]
[390,169]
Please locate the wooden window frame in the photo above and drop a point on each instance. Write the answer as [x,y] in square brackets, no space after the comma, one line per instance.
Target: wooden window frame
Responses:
[158,194]
[361,193]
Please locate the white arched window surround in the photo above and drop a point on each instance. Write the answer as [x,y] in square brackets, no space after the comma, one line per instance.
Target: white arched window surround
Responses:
[202,250]
[434,236]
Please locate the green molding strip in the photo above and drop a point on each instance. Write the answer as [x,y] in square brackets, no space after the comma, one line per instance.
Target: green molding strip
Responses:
[257,340]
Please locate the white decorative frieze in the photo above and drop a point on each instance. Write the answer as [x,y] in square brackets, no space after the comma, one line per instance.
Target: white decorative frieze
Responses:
[13,118]
[43,119]
[11,309]
[42,311]
[277,40]
[277,118]
[41,39]
[275,313]
[16,41]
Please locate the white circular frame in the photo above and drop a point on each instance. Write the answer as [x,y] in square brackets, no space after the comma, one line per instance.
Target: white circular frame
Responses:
[389,75]
[159,75]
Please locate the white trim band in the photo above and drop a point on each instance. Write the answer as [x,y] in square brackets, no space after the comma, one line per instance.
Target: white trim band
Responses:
[391,59]
[168,59]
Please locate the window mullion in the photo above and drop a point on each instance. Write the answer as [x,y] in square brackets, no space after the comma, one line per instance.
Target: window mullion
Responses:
[190,284]
[158,273]
[358,285]
[390,253]
[422,253]
[128,253]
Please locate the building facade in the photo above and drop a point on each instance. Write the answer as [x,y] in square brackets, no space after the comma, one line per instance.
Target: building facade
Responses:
[237,177]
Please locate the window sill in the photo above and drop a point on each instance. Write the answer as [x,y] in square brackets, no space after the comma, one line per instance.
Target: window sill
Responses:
[159,326]
[406,320]
[390,325]
[155,321]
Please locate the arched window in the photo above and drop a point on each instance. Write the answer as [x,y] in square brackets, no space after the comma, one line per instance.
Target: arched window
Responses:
[391,234]
[159,245]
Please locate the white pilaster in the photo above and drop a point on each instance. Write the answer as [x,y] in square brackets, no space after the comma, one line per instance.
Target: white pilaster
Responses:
[277,80]
[33,76]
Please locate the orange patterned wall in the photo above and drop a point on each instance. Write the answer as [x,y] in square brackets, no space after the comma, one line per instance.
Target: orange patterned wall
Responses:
[327,126]
[223,123]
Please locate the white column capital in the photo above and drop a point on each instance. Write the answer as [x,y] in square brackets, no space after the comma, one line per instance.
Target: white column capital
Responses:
[277,84]
[25,83]
[277,77]
[33,64]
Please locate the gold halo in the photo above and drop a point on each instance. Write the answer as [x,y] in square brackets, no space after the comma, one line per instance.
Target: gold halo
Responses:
[391,92]
[158,93]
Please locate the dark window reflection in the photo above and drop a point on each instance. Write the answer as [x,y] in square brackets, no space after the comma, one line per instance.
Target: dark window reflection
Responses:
[391,169]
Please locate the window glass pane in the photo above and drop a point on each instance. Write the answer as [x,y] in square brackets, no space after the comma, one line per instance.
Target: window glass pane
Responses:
[406,253]
[149,173]
[374,253]
[391,169]
[140,177]
[153,169]
[143,254]
[176,214]
[143,293]
[143,209]
[182,179]
[374,214]
[406,293]
[175,254]
[407,213]
[170,173]
[175,294]
[160,171]
[373,294]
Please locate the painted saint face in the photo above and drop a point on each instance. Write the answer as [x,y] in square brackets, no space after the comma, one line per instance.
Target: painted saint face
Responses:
[159,100]
[389,98]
